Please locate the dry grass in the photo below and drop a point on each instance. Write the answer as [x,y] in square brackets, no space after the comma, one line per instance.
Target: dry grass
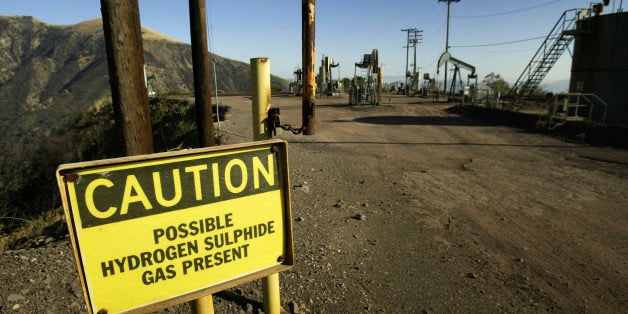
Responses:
[35,231]
[149,34]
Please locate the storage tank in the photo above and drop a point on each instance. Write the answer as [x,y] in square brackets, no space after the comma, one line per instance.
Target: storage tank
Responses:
[600,62]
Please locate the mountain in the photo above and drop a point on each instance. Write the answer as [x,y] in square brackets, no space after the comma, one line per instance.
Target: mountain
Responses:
[394,79]
[55,104]
[50,74]
[561,86]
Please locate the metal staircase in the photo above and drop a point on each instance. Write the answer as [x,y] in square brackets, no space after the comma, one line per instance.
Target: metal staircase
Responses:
[546,56]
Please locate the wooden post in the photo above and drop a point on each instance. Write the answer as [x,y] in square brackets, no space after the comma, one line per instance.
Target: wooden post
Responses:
[308,57]
[202,78]
[202,103]
[125,60]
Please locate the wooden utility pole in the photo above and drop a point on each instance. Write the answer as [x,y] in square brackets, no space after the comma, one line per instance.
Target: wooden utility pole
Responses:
[447,39]
[202,104]
[308,55]
[125,60]
[202,78]
[407,46]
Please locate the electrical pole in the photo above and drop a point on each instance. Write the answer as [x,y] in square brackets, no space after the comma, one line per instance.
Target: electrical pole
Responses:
[414,63]
[407,46]
[414,35]
[125,60]
[202,103]
[417,36]
[447,39]
[202,78]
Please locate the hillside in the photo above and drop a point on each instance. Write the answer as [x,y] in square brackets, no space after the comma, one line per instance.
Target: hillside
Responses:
[55,104]
[49,74]
[556,87]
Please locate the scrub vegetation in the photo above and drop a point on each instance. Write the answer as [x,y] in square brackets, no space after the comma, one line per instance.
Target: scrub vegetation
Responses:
[29,197]
[56,108]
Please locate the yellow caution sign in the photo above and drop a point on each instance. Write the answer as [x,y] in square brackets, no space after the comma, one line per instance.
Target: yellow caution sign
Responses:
[156,230]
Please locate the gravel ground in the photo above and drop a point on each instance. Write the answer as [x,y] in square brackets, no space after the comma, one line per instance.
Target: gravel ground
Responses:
[407,208]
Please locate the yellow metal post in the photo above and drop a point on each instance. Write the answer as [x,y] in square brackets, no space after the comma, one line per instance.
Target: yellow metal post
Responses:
[270,287]
[260,79]
[203,305]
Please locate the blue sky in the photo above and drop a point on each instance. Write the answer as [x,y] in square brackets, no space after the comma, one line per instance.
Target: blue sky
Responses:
[347,29]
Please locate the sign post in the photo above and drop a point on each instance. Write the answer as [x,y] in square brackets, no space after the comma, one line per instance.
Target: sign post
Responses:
[152,231]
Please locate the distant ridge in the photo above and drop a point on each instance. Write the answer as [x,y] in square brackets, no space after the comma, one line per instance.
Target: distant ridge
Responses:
[560,86]
[50,74]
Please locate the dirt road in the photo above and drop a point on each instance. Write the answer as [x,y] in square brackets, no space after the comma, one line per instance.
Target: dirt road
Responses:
[458,214]
[406,208]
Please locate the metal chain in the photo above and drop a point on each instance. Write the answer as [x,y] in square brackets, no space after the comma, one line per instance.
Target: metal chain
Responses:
[288,127]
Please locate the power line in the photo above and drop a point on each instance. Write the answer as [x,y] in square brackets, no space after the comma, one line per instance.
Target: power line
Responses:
[427,65]
[504,13]
[435,32]
[424,19]
[501,43]
[495,51]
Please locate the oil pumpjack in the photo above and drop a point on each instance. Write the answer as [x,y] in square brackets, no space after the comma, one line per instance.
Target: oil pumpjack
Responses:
[469,89]
[327,85]
[366,90]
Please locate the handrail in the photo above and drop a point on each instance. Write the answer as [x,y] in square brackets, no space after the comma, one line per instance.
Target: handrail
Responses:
[543,56]
[573,104]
